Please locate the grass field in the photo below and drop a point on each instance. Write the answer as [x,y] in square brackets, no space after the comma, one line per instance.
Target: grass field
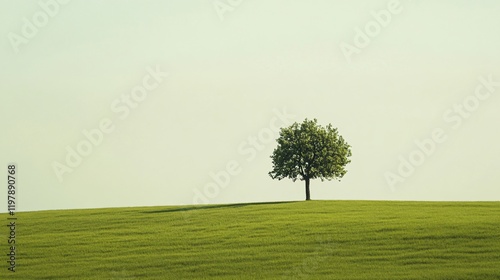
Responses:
[290,240]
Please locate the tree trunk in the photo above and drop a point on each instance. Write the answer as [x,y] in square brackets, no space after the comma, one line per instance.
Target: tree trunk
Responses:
[308,194]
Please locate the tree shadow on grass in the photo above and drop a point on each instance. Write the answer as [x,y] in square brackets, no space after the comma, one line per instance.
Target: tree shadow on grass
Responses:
[202,207]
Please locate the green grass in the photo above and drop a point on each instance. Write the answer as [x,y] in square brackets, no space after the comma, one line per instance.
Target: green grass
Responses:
[295,240]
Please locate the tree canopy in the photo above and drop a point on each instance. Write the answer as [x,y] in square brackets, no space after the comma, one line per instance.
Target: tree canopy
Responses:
[308,151]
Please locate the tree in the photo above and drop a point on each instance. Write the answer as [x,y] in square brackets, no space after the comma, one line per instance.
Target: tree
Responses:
[308,151]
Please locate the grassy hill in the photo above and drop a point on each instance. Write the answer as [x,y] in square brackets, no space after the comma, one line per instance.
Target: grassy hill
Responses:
[290,240]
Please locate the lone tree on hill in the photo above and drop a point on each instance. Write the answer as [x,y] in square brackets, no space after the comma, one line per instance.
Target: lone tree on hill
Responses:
[308,151]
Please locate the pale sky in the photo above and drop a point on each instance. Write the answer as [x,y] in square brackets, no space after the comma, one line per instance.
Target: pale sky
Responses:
[387,74]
